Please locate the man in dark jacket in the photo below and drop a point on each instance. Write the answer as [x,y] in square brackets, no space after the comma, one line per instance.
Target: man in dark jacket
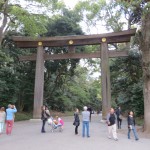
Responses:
[111,122]
[119,119]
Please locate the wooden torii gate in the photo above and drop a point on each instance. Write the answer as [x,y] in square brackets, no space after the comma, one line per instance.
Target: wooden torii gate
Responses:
[71,42]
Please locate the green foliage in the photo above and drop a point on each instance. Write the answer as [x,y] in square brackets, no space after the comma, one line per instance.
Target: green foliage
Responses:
[22,116]
[126,79]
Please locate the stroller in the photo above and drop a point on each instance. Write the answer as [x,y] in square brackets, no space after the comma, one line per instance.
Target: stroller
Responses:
[55,125]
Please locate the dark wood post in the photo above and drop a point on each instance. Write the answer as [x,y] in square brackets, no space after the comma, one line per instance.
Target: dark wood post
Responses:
[39,82]
[105,77]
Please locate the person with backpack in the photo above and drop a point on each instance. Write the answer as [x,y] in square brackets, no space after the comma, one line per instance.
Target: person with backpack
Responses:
[119,117]
[111,122]
[76,121]
[44,116]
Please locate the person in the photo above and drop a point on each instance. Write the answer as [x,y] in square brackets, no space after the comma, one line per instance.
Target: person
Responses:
[10,118]
[44,116]
[131,125]
[119,117]
[2,119]
[76,120]
[61,122]
[111,124]
[85,121]
[90,110]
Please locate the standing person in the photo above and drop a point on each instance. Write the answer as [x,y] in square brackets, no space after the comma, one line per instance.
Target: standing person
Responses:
[85,121]
[119,117]
[44,117]
[90,110]
[2,119]
[10,118]
[131,125]
[76,120]
[111,119]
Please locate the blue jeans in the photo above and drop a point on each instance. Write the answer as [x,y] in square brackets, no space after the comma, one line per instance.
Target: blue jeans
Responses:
[85,127]
[134,132]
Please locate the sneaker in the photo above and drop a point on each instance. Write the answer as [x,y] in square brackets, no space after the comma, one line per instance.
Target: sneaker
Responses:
[136,139]
[116,139]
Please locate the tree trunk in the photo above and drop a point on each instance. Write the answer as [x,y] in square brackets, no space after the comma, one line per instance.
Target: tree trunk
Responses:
[145,47]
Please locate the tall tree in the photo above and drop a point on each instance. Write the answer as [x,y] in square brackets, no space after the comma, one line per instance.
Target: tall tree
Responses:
[29,16]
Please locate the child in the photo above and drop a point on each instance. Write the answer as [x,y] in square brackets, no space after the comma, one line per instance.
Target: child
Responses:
[61,122]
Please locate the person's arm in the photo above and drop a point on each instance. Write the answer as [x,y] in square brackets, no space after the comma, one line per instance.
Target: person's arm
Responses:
[128,120]
[134,121]
[14,110]
[107,119]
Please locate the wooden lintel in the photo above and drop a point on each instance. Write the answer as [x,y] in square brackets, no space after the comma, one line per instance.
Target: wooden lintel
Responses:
[111,54]
[78,40]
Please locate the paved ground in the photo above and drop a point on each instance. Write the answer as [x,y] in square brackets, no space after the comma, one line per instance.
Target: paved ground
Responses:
[26,136]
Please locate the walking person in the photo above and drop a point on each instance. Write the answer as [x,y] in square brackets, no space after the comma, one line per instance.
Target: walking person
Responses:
[131,125]
[119,117]
[85,121]
[90,110]
[10,118]
[111,122]
[2,119]
[44,116]
[76,121]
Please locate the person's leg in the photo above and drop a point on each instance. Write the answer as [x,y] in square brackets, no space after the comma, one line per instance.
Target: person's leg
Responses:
[3,123]
[83,129]
[114,133]
[109,131]
[43,126]
[87,128]
[76,127]
[10,126]
[118,122]
[129,130]
[7,127]
[0,127]
[135,132]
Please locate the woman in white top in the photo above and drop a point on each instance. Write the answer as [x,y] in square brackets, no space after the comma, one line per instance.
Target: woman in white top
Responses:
[2,119]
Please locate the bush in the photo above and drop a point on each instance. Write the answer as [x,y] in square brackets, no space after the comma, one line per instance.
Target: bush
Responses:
[20,116]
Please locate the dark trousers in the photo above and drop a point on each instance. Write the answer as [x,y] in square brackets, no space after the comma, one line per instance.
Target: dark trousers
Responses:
[43,125]
[76,129]
[119,121]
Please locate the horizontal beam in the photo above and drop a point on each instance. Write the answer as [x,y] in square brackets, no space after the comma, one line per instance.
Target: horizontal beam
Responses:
[76,40]
[74,56]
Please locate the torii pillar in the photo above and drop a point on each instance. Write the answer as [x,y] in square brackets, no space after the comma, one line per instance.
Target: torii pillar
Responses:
[39,81]
[105,78]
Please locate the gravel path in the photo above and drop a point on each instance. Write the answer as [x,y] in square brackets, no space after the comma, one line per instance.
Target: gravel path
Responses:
[26,136]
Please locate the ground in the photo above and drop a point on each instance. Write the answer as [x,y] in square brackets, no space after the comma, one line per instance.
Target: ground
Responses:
[26,136]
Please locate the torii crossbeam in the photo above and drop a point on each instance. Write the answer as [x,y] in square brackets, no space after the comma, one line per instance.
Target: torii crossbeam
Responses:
[71,42]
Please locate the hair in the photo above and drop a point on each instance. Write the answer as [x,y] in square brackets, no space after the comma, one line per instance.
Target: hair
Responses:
[2,109]
[9,106]
[85,108]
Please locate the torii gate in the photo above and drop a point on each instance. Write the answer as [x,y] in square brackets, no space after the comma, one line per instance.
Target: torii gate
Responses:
[71,42]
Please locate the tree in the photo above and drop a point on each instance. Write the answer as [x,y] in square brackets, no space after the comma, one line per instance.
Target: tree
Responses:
[135,12]
[16,15]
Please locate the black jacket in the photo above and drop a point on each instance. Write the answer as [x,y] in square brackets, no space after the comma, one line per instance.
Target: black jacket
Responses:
[131,120]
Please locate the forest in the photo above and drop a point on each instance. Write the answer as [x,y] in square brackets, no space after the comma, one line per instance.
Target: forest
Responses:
[71,84]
